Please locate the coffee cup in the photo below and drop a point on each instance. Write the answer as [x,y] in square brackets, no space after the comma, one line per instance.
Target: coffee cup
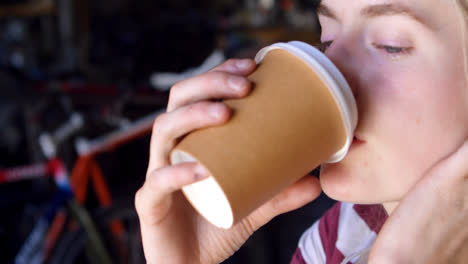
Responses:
[300,113]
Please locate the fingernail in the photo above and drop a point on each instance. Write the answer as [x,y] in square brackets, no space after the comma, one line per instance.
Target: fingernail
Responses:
[200,172]
[236,83]
[215,110]
[243,64]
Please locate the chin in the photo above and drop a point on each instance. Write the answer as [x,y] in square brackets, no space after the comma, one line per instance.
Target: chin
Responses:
[335,182]
[351,180]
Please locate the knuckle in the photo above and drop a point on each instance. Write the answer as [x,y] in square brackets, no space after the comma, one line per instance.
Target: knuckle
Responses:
[162,131]
[175,89]
[138,201]
[159,124]
[178,90]
[173,92]
[158,120]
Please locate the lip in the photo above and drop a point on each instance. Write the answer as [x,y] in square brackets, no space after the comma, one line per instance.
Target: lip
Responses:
[357,142]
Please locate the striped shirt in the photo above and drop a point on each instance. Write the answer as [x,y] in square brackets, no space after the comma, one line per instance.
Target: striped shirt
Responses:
[343,233]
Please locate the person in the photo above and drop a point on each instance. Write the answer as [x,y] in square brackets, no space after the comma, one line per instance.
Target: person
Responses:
[407,168]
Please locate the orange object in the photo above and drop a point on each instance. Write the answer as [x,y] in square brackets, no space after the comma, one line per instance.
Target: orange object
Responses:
[79,179]
[86,169]
[54,232]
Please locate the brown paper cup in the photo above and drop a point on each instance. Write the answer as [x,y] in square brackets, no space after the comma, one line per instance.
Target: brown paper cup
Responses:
[300,113]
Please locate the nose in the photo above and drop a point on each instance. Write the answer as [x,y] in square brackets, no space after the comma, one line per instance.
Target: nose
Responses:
[343,55]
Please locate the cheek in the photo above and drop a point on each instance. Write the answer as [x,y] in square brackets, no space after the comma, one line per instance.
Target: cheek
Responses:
[424,113]
[415,120]
[386,101]
[403,127]
[410,122]
[411,110]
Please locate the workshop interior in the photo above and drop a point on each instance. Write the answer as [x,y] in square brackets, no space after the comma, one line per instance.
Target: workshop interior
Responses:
[81,84]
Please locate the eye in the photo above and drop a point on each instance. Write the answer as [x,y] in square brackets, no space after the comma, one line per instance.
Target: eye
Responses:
[393,50]
[323,46]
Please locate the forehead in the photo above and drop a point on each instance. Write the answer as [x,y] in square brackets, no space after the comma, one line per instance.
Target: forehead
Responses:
[436,13]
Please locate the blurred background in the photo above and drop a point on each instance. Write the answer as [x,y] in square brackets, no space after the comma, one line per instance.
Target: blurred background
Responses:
[80,84]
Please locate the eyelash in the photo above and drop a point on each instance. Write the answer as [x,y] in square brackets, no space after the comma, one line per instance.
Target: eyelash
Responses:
[390,50]
[323,46]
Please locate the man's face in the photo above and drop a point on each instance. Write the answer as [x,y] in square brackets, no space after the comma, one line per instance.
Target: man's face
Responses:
[404,61]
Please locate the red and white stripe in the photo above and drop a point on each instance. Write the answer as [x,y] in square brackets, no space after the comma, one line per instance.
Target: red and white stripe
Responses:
[345,231]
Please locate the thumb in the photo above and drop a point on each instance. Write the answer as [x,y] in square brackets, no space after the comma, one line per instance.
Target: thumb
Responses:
[293,197]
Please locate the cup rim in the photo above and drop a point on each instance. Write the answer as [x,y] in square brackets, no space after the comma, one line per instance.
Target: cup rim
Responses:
[219,211]
[333,79]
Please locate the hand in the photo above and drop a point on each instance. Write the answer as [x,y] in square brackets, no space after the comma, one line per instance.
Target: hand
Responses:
[172,232]
[430,225]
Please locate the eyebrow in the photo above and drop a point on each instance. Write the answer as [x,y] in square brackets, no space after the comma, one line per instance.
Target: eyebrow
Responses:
[376,11]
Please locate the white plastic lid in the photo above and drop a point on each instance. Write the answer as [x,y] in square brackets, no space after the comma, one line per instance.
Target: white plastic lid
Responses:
[334,80]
